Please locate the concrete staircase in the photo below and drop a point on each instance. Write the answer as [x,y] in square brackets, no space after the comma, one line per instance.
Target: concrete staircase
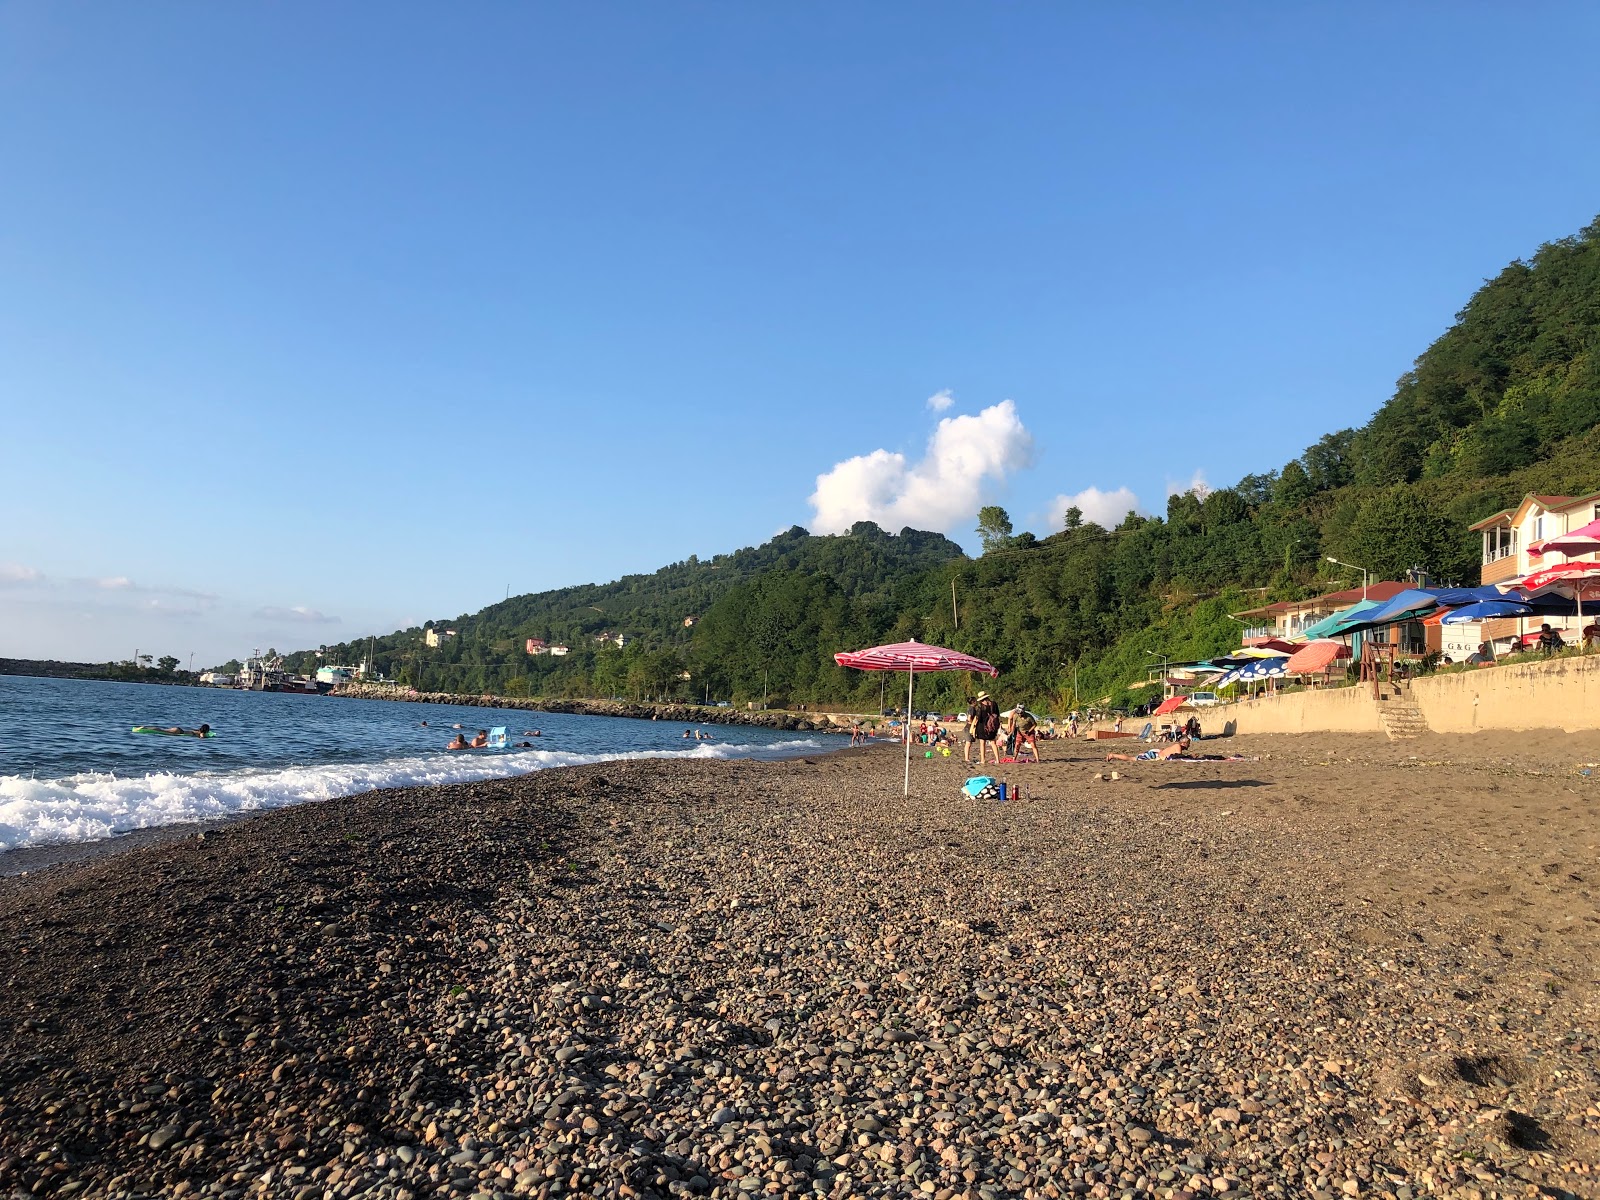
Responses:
[1398,711]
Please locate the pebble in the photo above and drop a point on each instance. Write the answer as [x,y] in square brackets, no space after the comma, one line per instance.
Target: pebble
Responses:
[737,979]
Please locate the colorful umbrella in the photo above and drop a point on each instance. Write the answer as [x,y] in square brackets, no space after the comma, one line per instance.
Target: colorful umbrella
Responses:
[911,657]
[1578,580]
[1315,656]
[1583,540]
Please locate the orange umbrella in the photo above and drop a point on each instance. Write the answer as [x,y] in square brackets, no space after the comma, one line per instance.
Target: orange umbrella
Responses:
[1315,656]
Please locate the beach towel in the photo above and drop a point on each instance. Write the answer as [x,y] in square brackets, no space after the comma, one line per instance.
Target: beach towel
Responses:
[981,787]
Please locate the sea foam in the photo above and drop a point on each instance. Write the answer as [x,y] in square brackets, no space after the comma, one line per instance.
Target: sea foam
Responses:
[79,808]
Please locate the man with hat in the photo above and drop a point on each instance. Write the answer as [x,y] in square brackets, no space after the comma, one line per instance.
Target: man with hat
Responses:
[983,719]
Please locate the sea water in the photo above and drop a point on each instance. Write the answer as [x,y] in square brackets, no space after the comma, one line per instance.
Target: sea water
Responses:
[71,770]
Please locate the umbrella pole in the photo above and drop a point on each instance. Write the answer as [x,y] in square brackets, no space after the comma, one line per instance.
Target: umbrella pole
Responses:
[911,681]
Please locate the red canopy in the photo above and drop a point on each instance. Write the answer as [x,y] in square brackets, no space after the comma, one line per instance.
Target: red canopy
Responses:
[1315,656]
[1170,704]
[1572,578]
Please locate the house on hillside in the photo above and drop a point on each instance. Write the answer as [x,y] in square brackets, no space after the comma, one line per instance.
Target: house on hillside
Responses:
[1288,619]
[1506,535]
[435,636]
[537,646]
[558,651]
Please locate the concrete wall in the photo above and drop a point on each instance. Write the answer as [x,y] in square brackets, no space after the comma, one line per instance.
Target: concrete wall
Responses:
[1563,693]
[1337,710]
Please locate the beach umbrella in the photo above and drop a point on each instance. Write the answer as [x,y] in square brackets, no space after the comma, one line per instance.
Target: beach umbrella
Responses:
[1260,668]
[1578,581]
[1486,610]
[1583,540]
[1316,656]
[911,657]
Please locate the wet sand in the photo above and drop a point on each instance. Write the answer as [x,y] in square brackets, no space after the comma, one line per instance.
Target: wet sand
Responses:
[1352,967]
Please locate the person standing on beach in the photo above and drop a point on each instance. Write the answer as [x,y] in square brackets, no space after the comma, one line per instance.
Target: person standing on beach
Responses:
[986,727]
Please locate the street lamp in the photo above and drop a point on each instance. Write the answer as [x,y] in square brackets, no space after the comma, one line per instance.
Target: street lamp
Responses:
[1352,567]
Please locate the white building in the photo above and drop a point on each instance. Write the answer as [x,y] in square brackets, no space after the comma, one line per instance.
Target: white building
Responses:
[1506,536]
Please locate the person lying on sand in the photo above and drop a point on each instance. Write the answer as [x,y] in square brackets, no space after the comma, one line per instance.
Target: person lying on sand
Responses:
[1179,747]
[1177,752]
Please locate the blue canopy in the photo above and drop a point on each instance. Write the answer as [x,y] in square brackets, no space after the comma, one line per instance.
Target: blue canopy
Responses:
[1401,606]
[1329,626]
[1457,597]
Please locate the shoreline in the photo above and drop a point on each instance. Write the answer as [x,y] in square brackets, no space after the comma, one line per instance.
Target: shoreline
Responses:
[672,713]
[1328,968]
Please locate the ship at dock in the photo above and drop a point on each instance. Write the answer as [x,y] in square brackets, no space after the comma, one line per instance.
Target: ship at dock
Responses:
[261,674]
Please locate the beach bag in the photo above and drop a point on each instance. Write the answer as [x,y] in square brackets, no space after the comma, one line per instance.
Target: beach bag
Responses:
[981,787]
[988,723]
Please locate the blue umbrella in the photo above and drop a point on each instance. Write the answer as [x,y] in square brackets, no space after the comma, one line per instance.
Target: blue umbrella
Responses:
[1484,610]
[1261,668]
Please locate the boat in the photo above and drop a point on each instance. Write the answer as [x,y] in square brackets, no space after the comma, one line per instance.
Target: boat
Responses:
[267,675]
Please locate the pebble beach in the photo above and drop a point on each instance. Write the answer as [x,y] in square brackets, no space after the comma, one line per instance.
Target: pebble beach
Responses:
[1342,967]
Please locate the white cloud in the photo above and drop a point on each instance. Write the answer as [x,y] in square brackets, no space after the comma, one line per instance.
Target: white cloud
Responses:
[115,583]
[943,491]
[298,614]
[11,572]
[1197,484]
[941,400]
[1103,508]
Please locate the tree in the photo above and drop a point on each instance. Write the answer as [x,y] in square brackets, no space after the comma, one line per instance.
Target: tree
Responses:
[1074,517]
[144,661]
[994,527]
[167,664]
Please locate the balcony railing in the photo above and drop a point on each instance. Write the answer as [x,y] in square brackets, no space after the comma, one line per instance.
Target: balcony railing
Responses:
[1496,553]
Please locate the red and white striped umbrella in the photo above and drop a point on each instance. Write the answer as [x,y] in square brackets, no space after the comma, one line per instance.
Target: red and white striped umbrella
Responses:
[911,657]
[1583,540]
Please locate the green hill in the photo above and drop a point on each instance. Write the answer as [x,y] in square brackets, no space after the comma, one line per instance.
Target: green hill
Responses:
[661,616]
[1505,402]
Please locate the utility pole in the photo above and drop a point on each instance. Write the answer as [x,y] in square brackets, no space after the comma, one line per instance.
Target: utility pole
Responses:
[955,615]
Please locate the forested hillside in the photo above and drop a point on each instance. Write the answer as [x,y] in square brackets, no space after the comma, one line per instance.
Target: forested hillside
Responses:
[658,615]
[1505,402]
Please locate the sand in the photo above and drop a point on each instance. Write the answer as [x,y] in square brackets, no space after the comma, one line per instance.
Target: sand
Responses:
[1353,967]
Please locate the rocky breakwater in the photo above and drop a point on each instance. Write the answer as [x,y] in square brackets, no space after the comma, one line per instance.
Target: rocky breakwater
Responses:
[685,714]
[781,979]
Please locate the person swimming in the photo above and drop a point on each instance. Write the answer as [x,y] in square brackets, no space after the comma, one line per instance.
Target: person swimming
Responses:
[203,731]
[482,740]
[459,743]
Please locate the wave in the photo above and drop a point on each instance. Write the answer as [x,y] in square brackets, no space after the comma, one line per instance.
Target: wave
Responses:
[81,808]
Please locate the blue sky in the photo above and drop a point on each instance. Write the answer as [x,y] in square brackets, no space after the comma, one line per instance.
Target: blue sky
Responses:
[316,320]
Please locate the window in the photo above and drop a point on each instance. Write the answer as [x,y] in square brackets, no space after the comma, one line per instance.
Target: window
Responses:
[1538,528]
[1498,543]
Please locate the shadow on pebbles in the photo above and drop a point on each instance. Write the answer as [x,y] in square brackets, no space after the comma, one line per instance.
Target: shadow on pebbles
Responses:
[754,979]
